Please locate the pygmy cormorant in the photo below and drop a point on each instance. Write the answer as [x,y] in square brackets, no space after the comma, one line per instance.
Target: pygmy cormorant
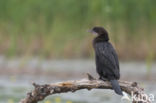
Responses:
[107,64]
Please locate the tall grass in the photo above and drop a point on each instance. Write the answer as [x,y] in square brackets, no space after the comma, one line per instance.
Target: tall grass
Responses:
[57,28]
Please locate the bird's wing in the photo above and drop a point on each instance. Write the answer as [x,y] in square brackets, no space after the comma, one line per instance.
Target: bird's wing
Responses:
[108,57]
[115,57]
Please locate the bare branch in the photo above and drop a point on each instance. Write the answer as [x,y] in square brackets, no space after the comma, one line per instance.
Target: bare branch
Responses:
[42,91]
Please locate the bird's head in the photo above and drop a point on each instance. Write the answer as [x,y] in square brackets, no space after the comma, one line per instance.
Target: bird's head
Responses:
[101,32]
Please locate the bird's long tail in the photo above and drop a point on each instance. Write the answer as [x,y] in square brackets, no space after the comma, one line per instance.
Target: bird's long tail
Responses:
[116,87]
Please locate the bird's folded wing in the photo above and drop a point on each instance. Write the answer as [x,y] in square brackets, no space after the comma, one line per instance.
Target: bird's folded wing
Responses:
[107,56]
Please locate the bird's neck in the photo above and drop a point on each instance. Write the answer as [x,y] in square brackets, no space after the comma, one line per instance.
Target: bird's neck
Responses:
[102,38]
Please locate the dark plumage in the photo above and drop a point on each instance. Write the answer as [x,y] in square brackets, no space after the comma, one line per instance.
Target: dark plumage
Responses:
[107,64]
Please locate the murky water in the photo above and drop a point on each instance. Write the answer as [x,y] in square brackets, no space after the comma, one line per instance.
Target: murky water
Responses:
[16,79]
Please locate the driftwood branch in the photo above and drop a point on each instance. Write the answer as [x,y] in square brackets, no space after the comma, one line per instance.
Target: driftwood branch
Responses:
[42,91]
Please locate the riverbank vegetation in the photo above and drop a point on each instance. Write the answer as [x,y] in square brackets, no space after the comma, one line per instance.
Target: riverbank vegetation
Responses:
[58,29]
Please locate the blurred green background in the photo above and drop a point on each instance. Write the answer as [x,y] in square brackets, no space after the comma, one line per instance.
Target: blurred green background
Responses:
[58,28]
[47,41]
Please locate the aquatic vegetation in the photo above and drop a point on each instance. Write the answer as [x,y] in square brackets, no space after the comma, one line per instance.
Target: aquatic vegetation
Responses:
[36,27]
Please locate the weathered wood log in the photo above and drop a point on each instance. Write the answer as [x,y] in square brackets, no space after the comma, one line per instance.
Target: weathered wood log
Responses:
[42,91]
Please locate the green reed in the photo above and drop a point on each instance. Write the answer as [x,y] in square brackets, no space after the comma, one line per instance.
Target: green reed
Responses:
[56,28]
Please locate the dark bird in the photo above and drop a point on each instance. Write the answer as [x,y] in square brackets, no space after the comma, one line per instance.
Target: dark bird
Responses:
[107,64]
